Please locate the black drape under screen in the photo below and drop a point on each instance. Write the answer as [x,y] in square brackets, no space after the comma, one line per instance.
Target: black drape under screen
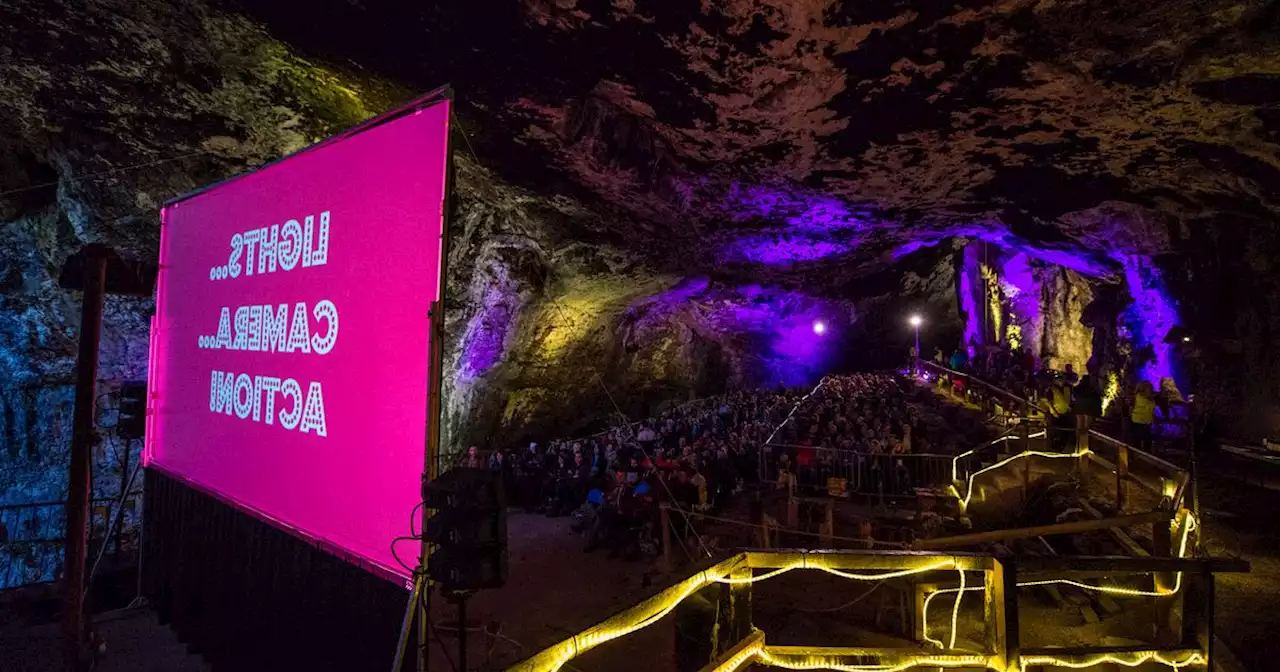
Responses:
[249,596]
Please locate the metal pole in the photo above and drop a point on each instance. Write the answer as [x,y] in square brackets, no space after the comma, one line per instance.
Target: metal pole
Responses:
[462,634]
[422,605]
[126,482]
[917,362]
[111,531]
[75,548]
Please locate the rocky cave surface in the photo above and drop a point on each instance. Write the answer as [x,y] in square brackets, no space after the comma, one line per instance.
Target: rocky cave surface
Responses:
[656,200]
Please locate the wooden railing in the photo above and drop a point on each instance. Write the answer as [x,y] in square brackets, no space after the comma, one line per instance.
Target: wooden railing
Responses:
[1131,465]
[1182,589]
[980,391]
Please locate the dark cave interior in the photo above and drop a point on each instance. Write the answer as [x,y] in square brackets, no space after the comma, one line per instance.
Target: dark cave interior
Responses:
[661,200]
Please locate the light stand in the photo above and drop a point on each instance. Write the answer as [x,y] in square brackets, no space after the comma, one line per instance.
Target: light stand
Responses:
[459,598]
[420,595]
[917,349]
[915,321]
[97,271]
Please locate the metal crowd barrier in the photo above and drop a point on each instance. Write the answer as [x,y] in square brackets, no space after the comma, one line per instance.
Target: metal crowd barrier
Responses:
[32,537]
[848,472]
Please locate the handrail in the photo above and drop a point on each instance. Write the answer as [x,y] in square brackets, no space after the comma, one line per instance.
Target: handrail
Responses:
[32,505]
[787,530]
[1173,470]
[1173,481]
[990,386]
[742,644]
[1145,456]
[17,543]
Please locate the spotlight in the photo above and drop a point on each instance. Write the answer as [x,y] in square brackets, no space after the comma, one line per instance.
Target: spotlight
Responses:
[819,327]
[916,320]
[1186,339]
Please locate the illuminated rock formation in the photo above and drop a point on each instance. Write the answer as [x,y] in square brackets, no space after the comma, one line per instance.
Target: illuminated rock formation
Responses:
[660,199]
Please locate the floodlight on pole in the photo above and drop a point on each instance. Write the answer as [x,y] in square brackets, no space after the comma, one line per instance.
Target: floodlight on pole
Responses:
[916,321]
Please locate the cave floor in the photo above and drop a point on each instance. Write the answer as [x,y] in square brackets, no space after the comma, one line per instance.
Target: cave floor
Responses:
[555,590]
[135,642]
[1239,519]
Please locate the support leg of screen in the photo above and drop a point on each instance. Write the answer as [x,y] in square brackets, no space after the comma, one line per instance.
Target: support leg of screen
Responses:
[414,609]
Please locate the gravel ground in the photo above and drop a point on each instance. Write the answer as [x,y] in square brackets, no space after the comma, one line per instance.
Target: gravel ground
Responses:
[1241,519]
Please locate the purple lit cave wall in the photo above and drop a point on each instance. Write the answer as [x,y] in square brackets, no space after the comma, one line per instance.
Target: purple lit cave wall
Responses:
[971,292]
[1149,319]
[1040,299]
[622,240]
[1023,294]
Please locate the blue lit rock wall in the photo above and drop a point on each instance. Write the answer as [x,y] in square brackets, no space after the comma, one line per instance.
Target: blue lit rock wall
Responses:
[94,136]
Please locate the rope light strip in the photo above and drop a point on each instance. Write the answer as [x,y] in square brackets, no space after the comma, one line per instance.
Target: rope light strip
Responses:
[964,503]
[1187,528]
[571,648]
[804,563]
[955,612]
[826,662]
[1138,658]
[955,461]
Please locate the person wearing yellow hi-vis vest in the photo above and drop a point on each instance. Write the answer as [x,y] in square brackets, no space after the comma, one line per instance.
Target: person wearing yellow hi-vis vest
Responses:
[1142,415]
[1057,411]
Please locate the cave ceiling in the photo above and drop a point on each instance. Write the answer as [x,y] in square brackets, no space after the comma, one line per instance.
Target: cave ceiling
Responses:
[787,140]
[802,135]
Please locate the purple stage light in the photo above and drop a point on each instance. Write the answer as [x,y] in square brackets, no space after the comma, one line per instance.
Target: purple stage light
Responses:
[819,327]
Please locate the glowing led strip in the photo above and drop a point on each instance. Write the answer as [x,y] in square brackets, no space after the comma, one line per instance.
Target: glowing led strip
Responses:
[1137,658]
[746,655]
[964,503]
[944,564]
[758,652]
[954,615]
[569,649]
[805,563]
[753,579]
[955,461]
[555,657]
[795,408]
[1188,526]
[827,662]
[955,612]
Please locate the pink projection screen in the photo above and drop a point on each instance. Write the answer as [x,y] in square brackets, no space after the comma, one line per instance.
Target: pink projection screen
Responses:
[289,351]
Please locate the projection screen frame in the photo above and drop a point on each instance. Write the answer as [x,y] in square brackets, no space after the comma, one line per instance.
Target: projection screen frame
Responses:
[431,452]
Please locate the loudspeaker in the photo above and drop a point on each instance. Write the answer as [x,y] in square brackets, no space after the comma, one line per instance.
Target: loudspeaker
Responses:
[465,488]
[468,531]
[131,421]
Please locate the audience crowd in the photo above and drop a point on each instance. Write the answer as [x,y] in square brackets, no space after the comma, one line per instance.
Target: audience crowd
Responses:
[694,456]
[854,424]
[697,455]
